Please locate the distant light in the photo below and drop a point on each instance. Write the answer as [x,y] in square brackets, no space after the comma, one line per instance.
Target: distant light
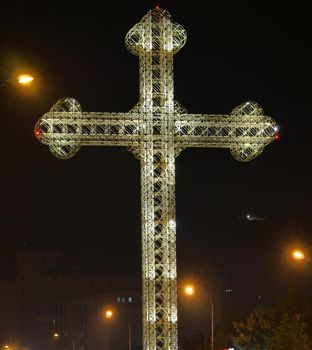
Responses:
[276,128]
[277,136]
[25,79]
[56,335]
[157,7]
[298,255]
[171,222]
[189,290]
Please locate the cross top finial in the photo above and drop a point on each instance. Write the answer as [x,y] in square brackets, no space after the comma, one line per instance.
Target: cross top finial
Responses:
[156,32]
[157,13]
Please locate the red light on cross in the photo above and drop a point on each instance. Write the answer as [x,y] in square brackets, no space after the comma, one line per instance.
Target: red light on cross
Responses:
[37,132]
[277,136]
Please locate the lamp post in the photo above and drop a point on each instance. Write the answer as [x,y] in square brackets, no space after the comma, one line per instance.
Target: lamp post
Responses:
[295,263]
[212,321]
[108,314]
[56,336]
[189,290]
[73,343]
[129,337]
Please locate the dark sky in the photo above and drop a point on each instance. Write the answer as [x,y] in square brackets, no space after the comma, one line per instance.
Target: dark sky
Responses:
[88,207]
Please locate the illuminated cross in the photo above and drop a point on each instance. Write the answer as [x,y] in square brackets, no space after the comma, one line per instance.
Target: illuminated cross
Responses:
[156,130]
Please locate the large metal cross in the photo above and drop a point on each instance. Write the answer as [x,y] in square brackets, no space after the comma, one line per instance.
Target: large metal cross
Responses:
[156,130]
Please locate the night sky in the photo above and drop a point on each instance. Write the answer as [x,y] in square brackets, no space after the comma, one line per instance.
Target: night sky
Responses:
[88,207]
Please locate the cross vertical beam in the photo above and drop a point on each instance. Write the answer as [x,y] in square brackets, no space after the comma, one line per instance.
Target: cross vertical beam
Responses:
[157,156]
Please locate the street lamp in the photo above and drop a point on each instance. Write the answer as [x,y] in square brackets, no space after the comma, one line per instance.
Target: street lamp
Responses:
[25,79]
[298,255]
[57,336]
[108,314]
[22,79]
[189,290]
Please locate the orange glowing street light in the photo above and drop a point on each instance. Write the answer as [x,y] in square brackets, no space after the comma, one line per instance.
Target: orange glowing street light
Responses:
[25,79]
[298,255]
[189,290]
[22,79]
[108,314]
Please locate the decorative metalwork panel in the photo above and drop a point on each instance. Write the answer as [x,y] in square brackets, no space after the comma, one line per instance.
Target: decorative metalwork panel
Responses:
[156,130]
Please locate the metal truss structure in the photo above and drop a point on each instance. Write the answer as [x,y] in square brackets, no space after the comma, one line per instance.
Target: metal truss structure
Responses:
[156,130]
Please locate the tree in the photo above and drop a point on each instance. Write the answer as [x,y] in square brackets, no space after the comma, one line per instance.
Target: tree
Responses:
[290,333]
[272,328]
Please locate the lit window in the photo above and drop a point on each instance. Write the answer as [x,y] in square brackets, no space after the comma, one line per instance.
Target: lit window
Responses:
[118,299]
[123,299]
[130,300]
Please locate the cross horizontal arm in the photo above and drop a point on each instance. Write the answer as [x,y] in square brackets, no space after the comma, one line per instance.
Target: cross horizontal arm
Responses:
[85,128]
[237,132]
[202,130]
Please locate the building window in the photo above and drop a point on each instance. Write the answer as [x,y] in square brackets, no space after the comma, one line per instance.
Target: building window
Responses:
[124,299]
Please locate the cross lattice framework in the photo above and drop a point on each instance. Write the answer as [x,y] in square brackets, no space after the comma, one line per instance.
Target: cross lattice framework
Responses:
[156,130]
